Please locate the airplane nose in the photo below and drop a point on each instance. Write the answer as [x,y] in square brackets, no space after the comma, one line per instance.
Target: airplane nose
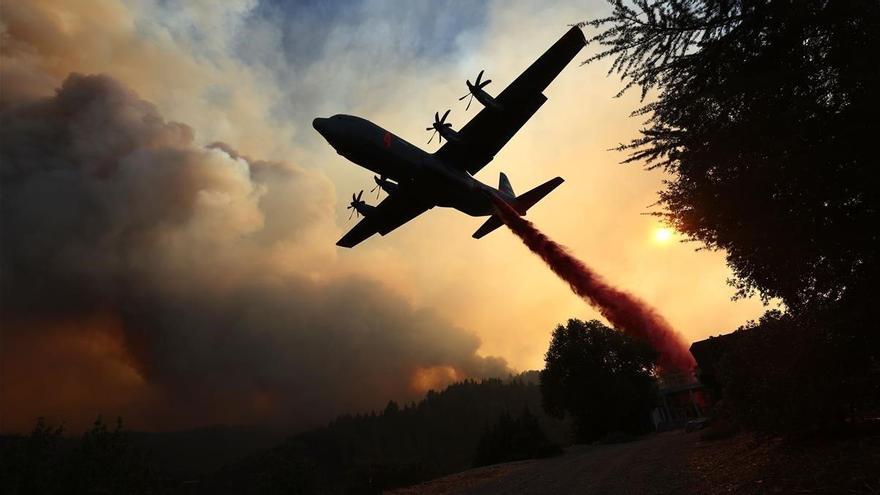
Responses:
[320,125]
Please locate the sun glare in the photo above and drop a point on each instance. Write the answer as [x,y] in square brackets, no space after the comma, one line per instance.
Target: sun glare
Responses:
[662,235]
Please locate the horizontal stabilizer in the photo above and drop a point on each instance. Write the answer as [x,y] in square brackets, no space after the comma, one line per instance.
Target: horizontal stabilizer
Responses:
[528,199]
[488,226]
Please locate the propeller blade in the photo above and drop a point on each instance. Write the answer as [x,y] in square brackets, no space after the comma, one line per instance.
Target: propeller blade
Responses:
[479,76]
[444,116]
[448,124]
[465,96]
[487,81]
[469,103]
[436,116]
[432,136]
[352,213]
[360,194]
[428,128]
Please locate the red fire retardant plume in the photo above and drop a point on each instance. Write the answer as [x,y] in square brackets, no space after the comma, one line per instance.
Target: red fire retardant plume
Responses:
[624,311]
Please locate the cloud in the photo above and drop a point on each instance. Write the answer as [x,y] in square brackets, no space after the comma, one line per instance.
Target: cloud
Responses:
[110,213]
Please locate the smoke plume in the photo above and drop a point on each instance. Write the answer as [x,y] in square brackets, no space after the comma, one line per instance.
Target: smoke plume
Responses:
[624,311]
[148,276]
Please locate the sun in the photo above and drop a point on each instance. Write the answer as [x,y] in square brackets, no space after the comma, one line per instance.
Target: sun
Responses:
[662,235]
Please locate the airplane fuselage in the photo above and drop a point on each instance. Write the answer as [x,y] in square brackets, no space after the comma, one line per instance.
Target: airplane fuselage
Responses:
[417,181]
[374,148]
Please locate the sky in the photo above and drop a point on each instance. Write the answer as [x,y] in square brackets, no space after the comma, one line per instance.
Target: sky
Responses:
[169,215]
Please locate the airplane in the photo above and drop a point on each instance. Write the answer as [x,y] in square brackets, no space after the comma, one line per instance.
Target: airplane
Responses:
[417,181]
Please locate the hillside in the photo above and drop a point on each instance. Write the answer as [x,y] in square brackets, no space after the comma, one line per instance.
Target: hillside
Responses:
[398,446]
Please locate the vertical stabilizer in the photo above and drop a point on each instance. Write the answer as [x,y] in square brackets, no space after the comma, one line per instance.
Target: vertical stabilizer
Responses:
[504,185]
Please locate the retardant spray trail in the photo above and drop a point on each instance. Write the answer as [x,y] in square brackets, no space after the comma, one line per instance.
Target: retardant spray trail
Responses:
[624,311]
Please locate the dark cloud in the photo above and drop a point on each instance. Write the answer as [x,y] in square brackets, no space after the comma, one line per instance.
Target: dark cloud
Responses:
[109,213]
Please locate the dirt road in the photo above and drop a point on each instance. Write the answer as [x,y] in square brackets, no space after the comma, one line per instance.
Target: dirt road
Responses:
[681,463]
[654,465]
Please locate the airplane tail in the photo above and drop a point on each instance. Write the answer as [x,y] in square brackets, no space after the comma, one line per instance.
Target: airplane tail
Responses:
[521,204]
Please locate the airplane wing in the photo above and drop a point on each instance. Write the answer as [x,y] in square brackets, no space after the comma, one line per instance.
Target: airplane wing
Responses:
[391,213]
[485,135]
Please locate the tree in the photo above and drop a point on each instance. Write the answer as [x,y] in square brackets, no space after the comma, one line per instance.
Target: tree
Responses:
[103,461]
[106,461]
[784,375]
[391,409]
[513,439]
[32,464]
[600,376]
[445,432]
[762,112]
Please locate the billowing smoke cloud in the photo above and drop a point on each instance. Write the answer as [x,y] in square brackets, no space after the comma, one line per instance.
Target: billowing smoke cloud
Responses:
[148,268]
[624,311]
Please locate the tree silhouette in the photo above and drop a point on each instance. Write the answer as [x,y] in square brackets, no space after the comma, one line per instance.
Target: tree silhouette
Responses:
[102,461]
[31,464]
[441,434]
[763,113]
[514,438]
[106,461]
[602,377]
[784,375]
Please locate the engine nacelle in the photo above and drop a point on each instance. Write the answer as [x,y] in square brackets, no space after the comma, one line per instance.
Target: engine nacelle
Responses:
[484,98]
[363,208]
[476,91]
[386,185]
[447,133]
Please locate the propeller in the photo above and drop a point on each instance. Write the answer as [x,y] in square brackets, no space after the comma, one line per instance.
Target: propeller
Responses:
[438,123]
[472,88]
[380,183]
[355,202]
